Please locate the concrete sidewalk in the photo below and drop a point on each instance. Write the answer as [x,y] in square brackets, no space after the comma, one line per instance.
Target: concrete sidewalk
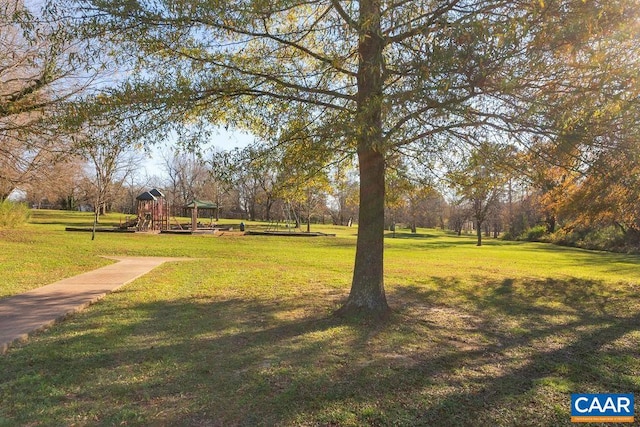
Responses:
[23,314]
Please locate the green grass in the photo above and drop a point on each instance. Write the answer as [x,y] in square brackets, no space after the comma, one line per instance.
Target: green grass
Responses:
[496,335]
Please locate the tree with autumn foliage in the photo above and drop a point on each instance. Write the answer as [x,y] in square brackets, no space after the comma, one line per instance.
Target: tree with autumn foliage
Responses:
[552,173]
[606,190]
[373,76]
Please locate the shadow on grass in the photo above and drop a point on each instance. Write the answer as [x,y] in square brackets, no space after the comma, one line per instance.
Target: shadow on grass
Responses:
[445,240]
[567,336]
[503,353]
[406,235]
[75,218]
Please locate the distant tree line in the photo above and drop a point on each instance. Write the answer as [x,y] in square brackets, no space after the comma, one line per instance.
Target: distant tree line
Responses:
[492,191]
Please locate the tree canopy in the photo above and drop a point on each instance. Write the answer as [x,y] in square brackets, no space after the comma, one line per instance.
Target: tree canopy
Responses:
[373,78]
[41,71]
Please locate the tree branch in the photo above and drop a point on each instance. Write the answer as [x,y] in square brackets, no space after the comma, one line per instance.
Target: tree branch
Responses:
[344,15]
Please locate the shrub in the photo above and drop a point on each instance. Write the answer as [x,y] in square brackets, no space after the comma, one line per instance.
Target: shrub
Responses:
[534,234]
[605,238]
[12,215]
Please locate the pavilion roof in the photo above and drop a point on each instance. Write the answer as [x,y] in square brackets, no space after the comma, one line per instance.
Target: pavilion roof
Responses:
[202,204]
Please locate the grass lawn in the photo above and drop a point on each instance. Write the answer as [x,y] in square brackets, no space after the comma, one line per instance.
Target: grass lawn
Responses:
[244,334]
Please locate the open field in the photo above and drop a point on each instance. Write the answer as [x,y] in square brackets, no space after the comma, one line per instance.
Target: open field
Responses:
[244,333]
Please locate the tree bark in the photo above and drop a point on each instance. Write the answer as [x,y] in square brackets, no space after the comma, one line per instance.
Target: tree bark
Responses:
[551,223]
[367,296]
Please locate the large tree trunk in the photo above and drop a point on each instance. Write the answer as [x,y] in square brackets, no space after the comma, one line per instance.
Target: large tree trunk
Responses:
[367,296]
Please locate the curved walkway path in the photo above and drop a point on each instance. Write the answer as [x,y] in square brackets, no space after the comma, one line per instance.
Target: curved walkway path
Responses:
[23,314]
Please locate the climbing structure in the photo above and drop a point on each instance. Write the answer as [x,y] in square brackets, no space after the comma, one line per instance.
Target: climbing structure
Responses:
[153,211]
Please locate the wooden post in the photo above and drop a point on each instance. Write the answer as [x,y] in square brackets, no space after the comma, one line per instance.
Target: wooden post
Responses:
[194,217]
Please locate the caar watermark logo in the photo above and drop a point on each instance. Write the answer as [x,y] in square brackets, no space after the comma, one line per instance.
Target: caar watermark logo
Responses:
[602,408]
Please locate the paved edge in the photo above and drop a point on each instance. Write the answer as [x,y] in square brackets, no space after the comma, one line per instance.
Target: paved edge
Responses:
[143,265]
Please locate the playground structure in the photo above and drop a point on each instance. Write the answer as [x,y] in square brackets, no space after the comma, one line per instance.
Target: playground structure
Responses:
[153,215]
[152,212]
